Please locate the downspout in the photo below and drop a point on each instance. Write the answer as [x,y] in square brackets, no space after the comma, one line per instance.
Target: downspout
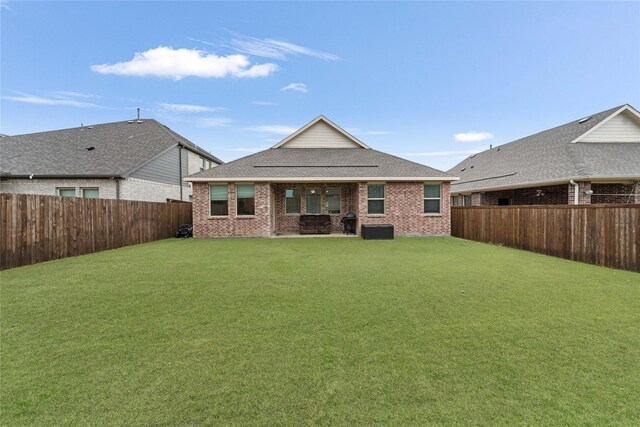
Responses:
[180,168]
[576,192]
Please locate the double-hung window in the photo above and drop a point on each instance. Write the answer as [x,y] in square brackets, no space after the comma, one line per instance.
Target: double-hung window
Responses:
[313,200]
[219,197]
[90,193]
[375,199]
[292,200]
[333,200]
[245,200]
[67,192]
[432,198]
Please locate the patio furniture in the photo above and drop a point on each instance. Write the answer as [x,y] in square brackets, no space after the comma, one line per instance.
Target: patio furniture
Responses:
[377,231]
[349,223]
[315,224]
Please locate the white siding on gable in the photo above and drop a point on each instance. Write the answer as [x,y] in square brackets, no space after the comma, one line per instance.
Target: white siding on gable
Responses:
[621,128]
[320,135]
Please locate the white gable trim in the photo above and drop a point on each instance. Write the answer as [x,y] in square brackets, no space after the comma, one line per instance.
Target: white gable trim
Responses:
[327,121]
[599,125]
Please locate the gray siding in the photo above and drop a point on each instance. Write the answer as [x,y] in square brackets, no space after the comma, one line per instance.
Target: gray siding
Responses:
[163,168]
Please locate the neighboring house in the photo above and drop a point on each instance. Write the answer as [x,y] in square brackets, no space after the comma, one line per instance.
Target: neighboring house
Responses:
[131,160]
[319,169]
[595,159]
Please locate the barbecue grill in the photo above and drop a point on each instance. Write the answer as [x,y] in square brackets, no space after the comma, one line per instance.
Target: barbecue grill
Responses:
[349,223]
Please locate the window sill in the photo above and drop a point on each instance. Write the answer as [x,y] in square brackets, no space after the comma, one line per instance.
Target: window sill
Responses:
[432,214]
[376,215]
[245,216]
[292,214]
[218,217]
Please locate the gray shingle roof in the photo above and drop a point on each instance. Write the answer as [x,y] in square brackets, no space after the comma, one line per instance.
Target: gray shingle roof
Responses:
[320,163]
[119,148]
[548,156]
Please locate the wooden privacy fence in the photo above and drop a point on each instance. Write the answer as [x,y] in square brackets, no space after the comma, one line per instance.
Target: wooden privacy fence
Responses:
[607,235]
[41,228]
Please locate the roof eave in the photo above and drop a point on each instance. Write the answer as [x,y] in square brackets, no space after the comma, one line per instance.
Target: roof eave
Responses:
[61,176]
[323,179]
[546,183]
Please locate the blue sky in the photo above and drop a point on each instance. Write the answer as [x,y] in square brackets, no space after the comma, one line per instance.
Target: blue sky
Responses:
[430,81]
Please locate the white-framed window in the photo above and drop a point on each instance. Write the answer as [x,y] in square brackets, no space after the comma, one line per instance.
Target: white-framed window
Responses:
[432,198]
[66,191]
[219,200]
[466,200]
[333,200]
[375,198]
[90,193]
[313,196]
[203,164]
[454,200]
[245,200]
[292,200]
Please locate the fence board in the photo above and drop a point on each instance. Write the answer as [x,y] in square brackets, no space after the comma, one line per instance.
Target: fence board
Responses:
[42,228]
[607,235]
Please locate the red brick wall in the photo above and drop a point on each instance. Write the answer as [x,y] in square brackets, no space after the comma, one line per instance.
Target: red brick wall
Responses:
[583,197]
[550,195]
[614,193]
[258,225]
[288,223]
[404,208]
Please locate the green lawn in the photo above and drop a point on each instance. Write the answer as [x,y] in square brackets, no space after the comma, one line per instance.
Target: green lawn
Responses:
[319,331]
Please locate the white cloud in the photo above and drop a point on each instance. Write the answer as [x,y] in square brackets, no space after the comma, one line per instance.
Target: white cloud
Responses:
[271,48]
[277,129]
[445,153]
[70,94]
[166,61]
[189,108]
[52,99]
[212,122]
[4,4]
[472,136]
[299,87]
[264,103]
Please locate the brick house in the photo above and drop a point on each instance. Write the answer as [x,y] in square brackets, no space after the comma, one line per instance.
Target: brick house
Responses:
[130,160]
[319,170]
[595,159]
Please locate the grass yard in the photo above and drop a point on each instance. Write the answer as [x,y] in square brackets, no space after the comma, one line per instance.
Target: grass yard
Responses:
[319,331]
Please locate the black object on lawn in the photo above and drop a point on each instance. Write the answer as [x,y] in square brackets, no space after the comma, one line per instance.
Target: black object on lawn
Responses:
[186,230]
[377,231]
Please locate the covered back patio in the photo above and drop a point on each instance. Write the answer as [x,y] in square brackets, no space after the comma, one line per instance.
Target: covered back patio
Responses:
[291,201]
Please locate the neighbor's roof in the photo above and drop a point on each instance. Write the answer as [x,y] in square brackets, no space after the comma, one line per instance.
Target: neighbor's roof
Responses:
[327,164]
[119,149]
[548,157]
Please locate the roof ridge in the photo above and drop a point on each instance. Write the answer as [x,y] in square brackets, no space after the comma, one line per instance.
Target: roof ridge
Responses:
[76,127]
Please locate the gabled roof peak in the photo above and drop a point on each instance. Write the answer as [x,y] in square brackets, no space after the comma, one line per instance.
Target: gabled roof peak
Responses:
[320,133]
